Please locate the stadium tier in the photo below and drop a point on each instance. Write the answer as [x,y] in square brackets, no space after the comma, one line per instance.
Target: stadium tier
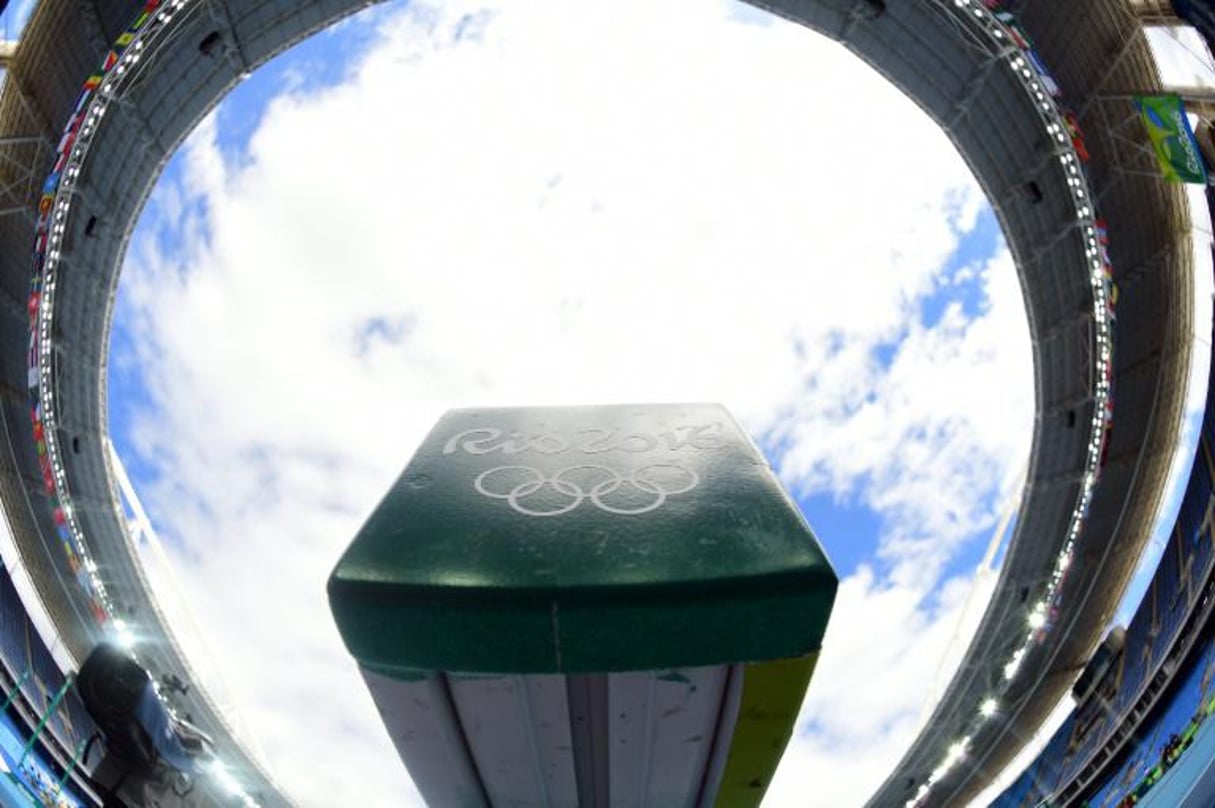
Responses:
[1157,684]
[29,670]
[1094,484]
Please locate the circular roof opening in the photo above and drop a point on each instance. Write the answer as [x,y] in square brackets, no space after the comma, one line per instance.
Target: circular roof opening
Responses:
[430,207]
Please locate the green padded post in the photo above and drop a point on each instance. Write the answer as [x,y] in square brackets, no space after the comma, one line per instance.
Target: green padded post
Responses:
[578,540]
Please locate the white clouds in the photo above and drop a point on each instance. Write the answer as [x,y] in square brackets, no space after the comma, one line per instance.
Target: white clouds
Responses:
[924,432]
[1182,56]
[16,16]
[867,699]
[636,202]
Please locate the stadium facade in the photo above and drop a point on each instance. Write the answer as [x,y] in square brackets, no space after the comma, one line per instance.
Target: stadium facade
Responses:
[99,94]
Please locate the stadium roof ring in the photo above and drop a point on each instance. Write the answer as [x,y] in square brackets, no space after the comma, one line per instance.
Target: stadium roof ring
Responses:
[161,76]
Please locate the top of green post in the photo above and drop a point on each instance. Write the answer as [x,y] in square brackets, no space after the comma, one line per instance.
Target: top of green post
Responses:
[580,539]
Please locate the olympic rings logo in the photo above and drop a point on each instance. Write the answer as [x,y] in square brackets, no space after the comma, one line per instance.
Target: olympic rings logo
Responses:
[607,489]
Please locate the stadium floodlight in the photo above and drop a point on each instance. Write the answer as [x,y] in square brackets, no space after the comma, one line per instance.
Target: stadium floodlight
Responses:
[622,598]
[123,634]
[1010,669]
[222,776]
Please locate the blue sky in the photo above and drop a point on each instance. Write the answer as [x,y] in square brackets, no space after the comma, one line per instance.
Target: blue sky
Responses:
[848,526]
[424,166]
[14,17]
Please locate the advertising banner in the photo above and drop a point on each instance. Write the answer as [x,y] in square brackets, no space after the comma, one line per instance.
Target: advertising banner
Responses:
[1173,139]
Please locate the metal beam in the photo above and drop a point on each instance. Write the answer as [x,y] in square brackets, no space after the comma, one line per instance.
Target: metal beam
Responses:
[90,23]
[222,16]
[974,86]
[1068,404]
[1154,12]
[22,140]
[1062,478]
[1135,36]
[1082,316]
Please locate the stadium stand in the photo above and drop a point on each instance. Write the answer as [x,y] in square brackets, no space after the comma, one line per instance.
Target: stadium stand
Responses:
[1162,739]
[28,665]
[1158,691]
[945,54]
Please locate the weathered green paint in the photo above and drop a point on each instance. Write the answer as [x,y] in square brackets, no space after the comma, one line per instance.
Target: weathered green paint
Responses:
[668,542]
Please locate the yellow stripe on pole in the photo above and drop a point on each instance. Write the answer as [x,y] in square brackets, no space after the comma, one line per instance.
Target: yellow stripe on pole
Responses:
[771,698]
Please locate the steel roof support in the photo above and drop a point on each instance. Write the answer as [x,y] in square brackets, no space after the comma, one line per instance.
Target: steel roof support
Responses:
[87,14]
[1155,12]
[1063,232]
[1163,255]
[1065,324]
[9,303]
[975,85]
[1111,67]
[1063,478]
[221,15]
[1068,404]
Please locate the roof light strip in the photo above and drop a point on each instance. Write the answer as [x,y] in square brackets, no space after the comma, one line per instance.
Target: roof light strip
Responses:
[1020,59]
[54,208]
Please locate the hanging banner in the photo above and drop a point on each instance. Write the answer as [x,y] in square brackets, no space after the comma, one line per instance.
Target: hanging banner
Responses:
[1171,136]
[1076,134]
[1048,79]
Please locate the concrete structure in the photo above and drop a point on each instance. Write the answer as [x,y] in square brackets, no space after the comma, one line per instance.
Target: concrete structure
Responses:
[938,51]
[1098,53]
[1154,12]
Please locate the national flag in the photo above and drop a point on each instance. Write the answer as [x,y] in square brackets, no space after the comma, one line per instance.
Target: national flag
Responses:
[1048,80]
[1015,31]
[1077,135]
[1169,130]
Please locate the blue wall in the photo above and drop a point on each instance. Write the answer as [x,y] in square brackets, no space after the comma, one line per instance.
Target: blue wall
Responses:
[1183,711]
[22,651]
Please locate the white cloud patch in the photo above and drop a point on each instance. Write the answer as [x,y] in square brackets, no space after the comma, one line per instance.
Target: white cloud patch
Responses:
[859,714]
[537,205]
[16,16]
[1181,56]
